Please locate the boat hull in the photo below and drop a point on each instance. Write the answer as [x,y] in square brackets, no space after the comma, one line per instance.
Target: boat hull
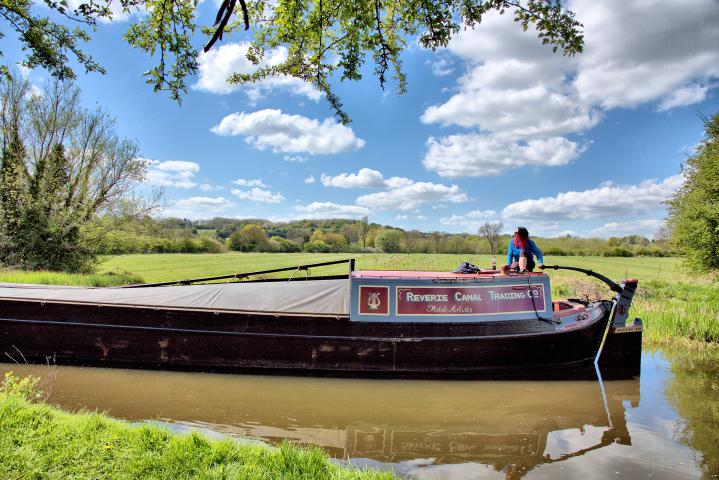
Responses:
[95,335]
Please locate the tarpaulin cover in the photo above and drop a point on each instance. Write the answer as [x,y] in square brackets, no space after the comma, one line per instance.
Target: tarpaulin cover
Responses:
[322,297]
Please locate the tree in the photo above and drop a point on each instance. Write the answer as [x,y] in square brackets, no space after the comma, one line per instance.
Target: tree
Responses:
[363,230]
[250,238]
[324,38]
[693,213]
[389,240]
[61,167]
[490,232]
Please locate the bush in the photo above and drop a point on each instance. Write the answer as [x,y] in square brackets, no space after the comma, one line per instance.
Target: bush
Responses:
[558,252]
[284,245]
[318,246]
[617,252]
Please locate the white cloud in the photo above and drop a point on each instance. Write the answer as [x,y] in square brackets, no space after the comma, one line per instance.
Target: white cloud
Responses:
[197,207]
[474,154]
[515,89]
[258,195]
[410,196]
[365,178]
[172,173]
[330,210]
[475,216]
[204,202]
[281,132]
[216,66]
[206,187]
[294,158]
[670,56]
[441,66]
[249,183]
[310,179]
[647,228]
[607,200]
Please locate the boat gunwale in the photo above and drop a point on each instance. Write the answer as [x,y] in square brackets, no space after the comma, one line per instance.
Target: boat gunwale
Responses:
[589,324]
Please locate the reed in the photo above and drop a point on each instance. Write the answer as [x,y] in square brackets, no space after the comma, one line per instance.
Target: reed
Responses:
[41,441]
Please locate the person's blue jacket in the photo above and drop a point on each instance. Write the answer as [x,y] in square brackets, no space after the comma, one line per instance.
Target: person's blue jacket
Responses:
[532,249]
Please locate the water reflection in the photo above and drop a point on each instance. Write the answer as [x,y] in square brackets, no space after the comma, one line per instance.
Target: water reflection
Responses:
[510,427]
[693,390]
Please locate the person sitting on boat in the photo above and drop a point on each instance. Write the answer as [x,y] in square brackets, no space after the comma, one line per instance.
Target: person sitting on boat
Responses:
[522,250]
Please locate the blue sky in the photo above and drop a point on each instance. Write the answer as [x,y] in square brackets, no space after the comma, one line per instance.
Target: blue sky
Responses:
[495,127]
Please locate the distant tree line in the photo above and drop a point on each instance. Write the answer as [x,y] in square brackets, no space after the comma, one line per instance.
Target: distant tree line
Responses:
[345,235]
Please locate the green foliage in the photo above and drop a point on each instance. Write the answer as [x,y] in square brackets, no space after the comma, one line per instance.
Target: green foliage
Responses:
[336,37]
[40,441]
[26,388]
[390,241]
[251,238]
[48,44]
[617,252]
[324,38]
[279,244]
[73,167]
[694,209]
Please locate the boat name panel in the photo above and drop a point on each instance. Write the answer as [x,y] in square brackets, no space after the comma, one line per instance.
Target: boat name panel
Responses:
[422,300]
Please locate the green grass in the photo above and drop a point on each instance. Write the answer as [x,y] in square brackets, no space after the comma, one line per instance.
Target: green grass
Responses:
[108,279]
[39,441]
[675,304]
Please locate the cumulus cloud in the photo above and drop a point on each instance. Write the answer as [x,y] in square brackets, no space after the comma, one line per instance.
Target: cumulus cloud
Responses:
[249,183]
[441,66]
[207,187]
[475,217]
[607,200]
[475,154]
[365,178]
[515,89]
[310,179]
[257,194]
[331,210]
[172,173]
[281,132]
[216,66]
[647,228]
[197,207]
[669,56]
[410,196]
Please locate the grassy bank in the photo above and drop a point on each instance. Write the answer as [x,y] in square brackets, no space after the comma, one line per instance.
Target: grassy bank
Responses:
[676,305]
[39,441]
[107,279]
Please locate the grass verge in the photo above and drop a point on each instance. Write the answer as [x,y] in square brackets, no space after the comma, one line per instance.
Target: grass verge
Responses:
[40,441]
[106,279]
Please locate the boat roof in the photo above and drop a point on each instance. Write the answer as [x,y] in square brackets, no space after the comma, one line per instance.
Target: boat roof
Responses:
[411,274]
[318,297]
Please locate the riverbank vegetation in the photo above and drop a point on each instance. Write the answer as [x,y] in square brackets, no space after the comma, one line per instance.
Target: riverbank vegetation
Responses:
[41,441]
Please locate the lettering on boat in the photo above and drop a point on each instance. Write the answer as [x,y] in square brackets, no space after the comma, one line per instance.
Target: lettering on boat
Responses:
[469,300]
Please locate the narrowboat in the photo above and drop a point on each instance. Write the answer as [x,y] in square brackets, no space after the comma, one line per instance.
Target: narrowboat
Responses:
[374,323]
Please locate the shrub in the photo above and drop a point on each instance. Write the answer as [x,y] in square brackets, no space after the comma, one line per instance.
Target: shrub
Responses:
[617,252]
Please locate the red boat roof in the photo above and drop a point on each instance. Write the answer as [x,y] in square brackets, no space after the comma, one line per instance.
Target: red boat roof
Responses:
[418,274]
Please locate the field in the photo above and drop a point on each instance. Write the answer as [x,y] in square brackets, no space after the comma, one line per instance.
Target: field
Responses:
[675,304]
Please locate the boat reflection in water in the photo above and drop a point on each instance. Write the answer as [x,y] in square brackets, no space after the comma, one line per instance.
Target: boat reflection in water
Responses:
[510,427]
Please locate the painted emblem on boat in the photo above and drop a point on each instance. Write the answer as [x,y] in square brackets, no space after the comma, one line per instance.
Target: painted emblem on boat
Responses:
[373,300]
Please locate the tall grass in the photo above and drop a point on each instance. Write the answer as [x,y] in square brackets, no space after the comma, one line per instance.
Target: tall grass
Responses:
[39,441]
[106,279]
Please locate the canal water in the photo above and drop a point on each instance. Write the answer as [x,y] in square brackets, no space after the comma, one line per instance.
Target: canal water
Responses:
[664,424]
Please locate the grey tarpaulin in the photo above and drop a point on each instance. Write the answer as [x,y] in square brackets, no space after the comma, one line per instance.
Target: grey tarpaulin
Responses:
[321,297]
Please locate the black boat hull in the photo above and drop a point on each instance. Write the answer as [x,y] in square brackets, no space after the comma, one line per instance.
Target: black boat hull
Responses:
[93,335]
